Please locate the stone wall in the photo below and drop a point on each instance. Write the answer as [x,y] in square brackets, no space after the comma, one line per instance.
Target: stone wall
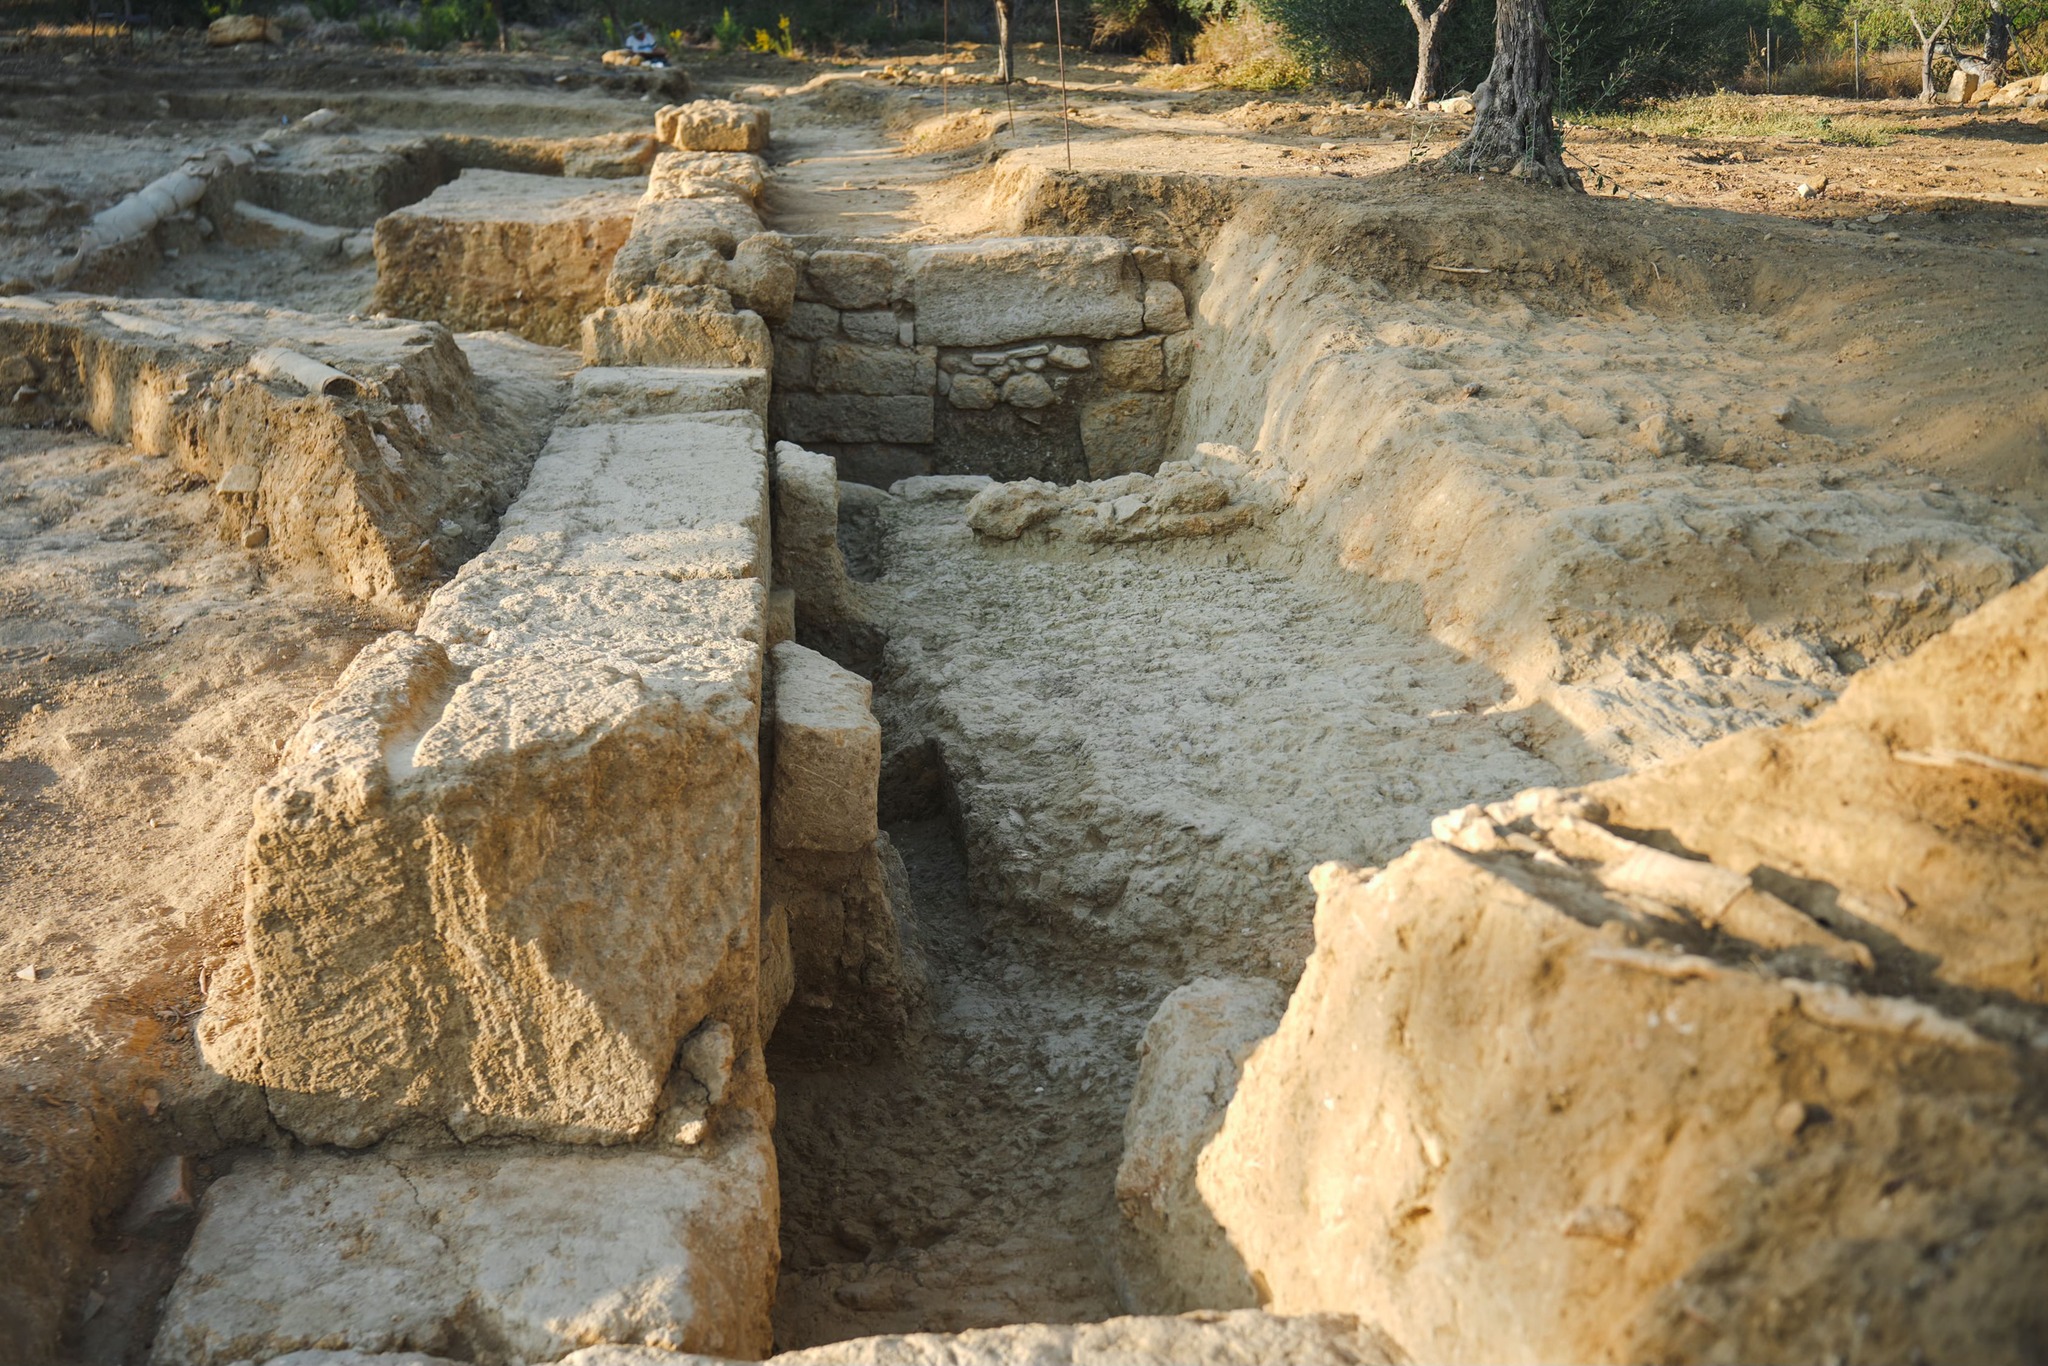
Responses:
[1054,358]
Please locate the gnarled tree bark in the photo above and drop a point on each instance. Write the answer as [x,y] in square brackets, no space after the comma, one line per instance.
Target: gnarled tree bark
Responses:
[1429,50]
[1929,38]
[1513,128]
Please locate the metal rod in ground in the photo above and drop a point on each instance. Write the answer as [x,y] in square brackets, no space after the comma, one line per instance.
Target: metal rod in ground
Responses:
[946,39]
[1009,105]
[1059,41]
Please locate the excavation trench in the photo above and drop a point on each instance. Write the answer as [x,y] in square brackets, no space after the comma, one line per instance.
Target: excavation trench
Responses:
[1180,560]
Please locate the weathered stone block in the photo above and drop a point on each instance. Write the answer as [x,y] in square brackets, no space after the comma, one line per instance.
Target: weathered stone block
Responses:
[1139,363]
[877,327]
[490,1257]
[1173,1254]
[609,156]
[852,368]
[450,931]
[792,362]
[762,275]
[812,321]
[713,126]
[828,755]
[602,394]
[500,250]
[680,497]
[996,290]
[1166,309]
[850,279]
[973,393]
[846,417]
[808,560]
[679,242]
[680,327]
[1125,433]
[1179,352]
[692,175]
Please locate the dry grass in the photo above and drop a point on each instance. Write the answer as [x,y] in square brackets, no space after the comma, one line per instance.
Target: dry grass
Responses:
[1727,114]
[1239,53]
[1891,74]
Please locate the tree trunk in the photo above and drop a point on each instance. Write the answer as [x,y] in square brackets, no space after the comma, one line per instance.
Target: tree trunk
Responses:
[498,18]
[1512,126]
[1430,35]
[1997,44]
[1006,56]
[1927,41]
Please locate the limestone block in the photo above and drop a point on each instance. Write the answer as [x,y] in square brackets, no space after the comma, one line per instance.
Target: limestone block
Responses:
[848,417]
[679,327]
[713,126]
[679,242]
[691,175]
[603,393]
[1139,363]
[851,368]
[808,560]
[940,488]
[828,755]
[1028,391]
[1173,1255]
[996,290]
[878,327]
[852,955]
[850,279]
[230,29]
[491,1257]
[609,156]
[1166,309]
[812,321]
[1125,433]
[1240,1338]
[501,250]
[1179,353]
[762,275]
[450,931]
[679,497]
[781,624]
[792,362]
[973,393]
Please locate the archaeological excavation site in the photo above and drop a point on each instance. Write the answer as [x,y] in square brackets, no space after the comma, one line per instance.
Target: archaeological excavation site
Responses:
[773,710]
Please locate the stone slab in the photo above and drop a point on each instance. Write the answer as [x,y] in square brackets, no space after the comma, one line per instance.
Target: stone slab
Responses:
[606,393]
[828,755]
[1008,289]
[676,496]
[492,1257]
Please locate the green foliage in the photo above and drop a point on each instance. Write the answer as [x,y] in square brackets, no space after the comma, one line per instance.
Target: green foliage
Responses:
[1167,27]
[1609,52]
[780,43]
[442,23]
[344,11]
[727,32]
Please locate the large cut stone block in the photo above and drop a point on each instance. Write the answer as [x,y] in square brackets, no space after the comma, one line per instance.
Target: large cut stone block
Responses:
[496,882]
[692,175]
[693,326]
[1009,289]
[713,126]
[502,250]
[680,241]
[808,558]
[487,1257]
[603,393]
[676,496]
[828,755]
[840,367]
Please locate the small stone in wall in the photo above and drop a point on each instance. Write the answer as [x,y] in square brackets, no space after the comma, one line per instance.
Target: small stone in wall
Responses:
[973,393]
[1028,391]
[1137,363]
[1069,357]
[1166,310]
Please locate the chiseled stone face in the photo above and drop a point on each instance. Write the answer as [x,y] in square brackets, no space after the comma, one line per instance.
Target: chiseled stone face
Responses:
[483,1257]
[828,755]
[503,871]
[998,290]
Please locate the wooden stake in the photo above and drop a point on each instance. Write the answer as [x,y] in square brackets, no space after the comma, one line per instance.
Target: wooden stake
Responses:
[945,37]
[1060,41]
